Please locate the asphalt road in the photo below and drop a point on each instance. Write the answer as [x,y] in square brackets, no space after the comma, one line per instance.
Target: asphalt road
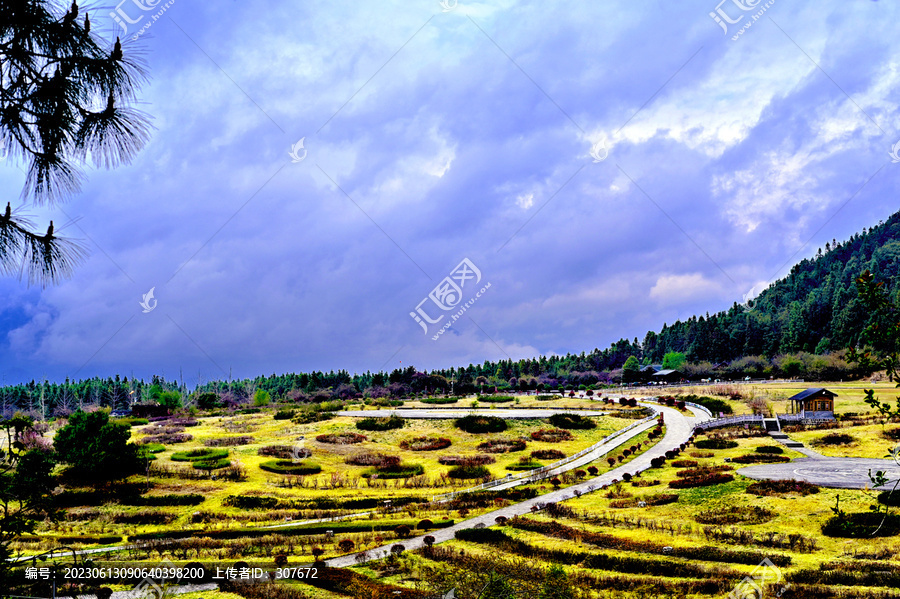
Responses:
[838,473]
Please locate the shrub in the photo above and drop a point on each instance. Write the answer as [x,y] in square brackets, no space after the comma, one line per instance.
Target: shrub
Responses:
[402,531]
[736,514]
[393,471]
[425,443]
[228,441]
[466,472]
[345,546]
[250,502]
[702,454]
[701,481]
[835,439]
[547,454]
[439,400]
[715,443]
[862,525]
[211,464]
[656,462]
[285,452]
[891,433]
[550,435]
[782,487]
[196,455]
[571,421]
[285,414]
[524,463]
[425,524]
[480,424]
[769,449]
[372,459]
[381,424]
[473,460]
[144,517]
[502,445]
[889,498]
[593,470]
[346,438]
[153,447]
[290,467]
[428,540]
[712,404]
[167,438]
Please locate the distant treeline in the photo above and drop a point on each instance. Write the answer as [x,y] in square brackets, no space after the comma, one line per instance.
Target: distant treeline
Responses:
[800,326]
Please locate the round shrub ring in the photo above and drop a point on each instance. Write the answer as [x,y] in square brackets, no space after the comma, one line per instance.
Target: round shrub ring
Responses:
[399,470]
[547,454]
[302,467]
[552,435]
[468,472]
[347,438]
[715,443]
[466,460]
[480,424]
[425,443]
[211,464]
[197,455]
[502,446]
[571,421]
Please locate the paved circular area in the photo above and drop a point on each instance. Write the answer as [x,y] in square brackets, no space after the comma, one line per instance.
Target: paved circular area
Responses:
[838,473]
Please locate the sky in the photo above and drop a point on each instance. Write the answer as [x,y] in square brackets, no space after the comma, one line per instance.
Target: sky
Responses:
[556,175]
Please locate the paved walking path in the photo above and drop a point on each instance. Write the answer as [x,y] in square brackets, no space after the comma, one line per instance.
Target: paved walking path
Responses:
[460,412]
[678,429]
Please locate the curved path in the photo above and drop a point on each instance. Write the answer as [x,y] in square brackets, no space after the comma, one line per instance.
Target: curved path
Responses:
[838,473]
[439,413]
[678,430]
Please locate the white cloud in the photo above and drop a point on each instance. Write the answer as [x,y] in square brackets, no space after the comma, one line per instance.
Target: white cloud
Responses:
[675,289]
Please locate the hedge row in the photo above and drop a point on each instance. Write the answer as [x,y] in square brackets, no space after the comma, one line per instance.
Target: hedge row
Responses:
[299,530]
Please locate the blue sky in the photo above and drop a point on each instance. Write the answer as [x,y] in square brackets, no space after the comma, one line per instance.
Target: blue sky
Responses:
[432,136]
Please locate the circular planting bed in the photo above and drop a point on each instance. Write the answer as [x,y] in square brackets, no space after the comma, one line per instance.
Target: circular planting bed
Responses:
[715,443]
[467,472]
[548,454]
[197,455]
[425,444]
[480,424]
[290,467]
[466,460]
[524,464]
[341,438]
[211,464]
[399,470]
[502,445]
[572,421]
[285,452]
[153,447]
[552,435]
[381,424]
[370,458]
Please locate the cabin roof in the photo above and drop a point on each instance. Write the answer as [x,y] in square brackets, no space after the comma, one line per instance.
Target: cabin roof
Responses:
[811,393]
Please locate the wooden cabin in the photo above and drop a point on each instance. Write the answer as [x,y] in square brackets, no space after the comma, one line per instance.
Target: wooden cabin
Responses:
[813,403]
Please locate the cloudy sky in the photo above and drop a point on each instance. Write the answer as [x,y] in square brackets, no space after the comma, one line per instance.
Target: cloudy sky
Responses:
[433,134]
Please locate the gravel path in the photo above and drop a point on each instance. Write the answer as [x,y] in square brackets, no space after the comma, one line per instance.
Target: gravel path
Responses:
[678,429]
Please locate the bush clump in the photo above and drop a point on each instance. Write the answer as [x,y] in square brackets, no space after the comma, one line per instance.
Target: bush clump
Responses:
[196,455]
[571,421]
[835,439]
[480,424]
[439,400]
[370,458]
[346,438]
[769,449]
[391,471]
[552,435]
[735,514]
[466,460]
[425,443]
[166,500]
[228,441]
[381,424]
[547,454]
[466,472]
[715,478]
[715,443]
[502,445]
[496,398]
[302,467]
[766,488]
[285,452]
[760,458]
[524,463]
[712,404]
[211,464]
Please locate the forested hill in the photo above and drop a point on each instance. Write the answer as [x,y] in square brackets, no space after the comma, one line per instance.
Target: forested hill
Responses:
[814,309]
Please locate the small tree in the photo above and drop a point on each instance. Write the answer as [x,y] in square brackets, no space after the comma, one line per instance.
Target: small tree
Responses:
[593,470]
[346,545]
[428,540]
[261,398]
[556,584]
[497,588]
[95,447]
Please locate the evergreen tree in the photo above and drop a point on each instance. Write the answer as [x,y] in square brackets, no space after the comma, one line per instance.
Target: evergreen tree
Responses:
[556,584]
